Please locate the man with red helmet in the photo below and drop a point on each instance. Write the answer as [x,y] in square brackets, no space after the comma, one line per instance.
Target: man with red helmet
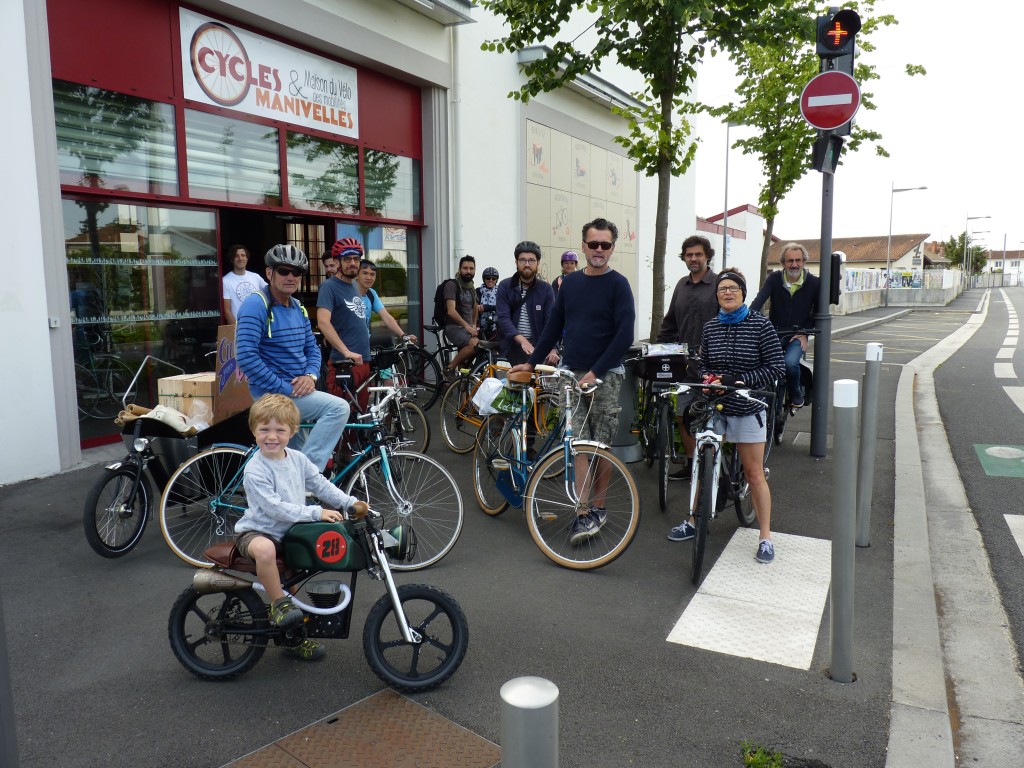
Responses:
[341,318]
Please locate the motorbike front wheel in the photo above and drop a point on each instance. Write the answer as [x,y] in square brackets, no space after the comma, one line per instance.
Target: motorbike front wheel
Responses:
[116,511]
[209,632]
[440,622]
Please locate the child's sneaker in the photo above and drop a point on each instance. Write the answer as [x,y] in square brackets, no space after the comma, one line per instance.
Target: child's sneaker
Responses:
[765,551]
[307,650]
[283,613]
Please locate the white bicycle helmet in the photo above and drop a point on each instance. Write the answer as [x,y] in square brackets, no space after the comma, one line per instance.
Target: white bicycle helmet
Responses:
[286,256]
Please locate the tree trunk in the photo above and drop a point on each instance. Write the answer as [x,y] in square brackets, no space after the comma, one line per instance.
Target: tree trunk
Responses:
[660,246]
[766,246]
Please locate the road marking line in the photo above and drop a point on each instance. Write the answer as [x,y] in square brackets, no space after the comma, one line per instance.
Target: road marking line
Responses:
[1016,394]
[1005,352]
[1004,371]
[764,612]
[1016,524]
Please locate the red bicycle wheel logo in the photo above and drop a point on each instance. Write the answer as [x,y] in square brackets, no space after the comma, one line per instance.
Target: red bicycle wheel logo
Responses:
[220,64]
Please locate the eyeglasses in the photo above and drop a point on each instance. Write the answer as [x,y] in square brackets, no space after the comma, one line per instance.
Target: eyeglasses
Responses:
[729,289]
[527,261]
[288,271]
[600,245]
[489,278]
[794,262]
[351,258]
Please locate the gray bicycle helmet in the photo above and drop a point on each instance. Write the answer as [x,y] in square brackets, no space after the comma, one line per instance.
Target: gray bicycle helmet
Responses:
[490,272]
[286,256]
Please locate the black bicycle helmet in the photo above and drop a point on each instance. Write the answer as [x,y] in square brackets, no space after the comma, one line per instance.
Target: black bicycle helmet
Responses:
[286,256]
[528,246]
[490,272]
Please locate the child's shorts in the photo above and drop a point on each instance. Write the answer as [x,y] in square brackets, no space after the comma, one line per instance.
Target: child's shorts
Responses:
[243,540]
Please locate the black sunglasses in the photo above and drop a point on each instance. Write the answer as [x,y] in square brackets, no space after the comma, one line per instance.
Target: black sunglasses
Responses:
[599,245]
[286,271]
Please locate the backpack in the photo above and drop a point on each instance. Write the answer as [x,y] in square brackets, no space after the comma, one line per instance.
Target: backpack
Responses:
[440,316]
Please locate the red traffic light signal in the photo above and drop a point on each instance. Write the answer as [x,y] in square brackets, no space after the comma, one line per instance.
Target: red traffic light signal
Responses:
[836,33]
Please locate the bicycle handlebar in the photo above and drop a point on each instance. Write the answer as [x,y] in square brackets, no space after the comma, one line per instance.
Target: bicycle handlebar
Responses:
[551,372]
[724,389]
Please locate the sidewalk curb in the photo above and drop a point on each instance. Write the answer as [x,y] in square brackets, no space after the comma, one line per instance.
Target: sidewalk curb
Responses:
[849,330]
[919,723]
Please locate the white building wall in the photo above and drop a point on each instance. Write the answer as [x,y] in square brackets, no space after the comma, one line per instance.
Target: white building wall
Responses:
[27,387]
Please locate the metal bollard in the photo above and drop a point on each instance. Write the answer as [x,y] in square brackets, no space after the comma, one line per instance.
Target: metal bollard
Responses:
[868,425]
[529,723]
[844,528]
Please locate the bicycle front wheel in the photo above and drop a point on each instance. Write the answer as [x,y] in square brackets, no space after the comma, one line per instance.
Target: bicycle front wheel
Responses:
[493,458]
[424,496]
[556,491]
[202,502]
[702,514]
[460,419]
[420,373]
[116,511]
[664,443]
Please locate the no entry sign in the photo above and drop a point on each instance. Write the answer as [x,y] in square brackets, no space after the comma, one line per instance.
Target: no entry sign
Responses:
[830,100]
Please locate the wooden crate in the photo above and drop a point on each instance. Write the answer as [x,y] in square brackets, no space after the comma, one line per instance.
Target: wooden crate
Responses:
[180,391]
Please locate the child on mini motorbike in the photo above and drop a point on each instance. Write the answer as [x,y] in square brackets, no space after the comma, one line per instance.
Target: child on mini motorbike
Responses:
[276,480]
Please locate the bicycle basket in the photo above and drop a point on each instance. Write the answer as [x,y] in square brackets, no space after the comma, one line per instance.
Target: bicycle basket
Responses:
[662,368]
[383,358]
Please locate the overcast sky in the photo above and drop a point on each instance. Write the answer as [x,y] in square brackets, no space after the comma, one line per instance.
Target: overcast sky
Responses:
[955,130]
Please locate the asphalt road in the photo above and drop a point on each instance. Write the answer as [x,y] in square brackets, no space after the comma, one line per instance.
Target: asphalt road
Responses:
[95,683]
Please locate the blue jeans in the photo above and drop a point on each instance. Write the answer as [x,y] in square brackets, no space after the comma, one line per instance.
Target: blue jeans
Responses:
[330,415]
[793,356]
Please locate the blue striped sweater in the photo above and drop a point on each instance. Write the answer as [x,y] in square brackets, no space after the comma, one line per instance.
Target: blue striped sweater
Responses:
[748,350]
[274,344]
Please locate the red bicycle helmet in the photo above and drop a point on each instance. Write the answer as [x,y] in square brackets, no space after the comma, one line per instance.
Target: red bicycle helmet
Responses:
[347,246]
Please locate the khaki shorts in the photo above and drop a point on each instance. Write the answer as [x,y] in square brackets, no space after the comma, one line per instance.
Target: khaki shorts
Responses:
[598,420]
[243,540]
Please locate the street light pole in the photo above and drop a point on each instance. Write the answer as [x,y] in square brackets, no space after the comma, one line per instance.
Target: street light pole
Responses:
[725,216]
[968,268]
[888,247]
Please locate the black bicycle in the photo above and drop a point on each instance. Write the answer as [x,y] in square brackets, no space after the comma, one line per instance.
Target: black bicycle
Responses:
[717,471]
[784,407]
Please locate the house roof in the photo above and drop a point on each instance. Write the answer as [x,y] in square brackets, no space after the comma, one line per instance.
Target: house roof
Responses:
[858,250]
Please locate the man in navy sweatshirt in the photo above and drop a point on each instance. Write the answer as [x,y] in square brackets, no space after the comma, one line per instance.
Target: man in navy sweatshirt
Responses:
[794,295]
[593,315]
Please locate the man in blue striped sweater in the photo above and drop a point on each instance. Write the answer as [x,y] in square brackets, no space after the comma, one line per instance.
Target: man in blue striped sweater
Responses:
[276,350]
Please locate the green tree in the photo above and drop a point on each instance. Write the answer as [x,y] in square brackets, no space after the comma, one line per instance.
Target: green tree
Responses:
[661,40]
[772,77]
[976,259]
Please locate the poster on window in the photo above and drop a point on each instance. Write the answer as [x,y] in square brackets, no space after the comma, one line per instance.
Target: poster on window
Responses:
[226,66]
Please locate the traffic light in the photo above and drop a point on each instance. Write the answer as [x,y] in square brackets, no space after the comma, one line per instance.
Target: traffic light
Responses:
[837,32]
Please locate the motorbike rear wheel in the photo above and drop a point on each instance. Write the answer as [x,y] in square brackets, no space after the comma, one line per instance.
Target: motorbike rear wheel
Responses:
[438,619]
[208,632]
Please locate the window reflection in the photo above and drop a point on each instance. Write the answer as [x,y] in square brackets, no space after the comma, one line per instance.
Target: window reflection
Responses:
[111,140]
[392,185]
[323,175]
[232,160]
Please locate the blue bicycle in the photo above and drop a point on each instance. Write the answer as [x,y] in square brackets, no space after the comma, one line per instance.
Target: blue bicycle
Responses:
[204,498]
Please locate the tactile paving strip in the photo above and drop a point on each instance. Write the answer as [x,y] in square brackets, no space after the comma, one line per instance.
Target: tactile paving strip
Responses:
[385,730]
[766,612]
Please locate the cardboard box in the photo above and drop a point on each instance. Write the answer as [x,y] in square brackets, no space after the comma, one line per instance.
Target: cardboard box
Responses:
[232,388]
[179,392]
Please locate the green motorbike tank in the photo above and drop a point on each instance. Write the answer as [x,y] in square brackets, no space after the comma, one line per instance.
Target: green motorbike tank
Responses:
[323,547]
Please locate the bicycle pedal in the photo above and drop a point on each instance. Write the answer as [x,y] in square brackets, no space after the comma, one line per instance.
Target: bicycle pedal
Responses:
[547,517]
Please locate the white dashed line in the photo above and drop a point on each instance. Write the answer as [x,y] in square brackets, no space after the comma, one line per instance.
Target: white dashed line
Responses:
[1004,371]
[1016,524]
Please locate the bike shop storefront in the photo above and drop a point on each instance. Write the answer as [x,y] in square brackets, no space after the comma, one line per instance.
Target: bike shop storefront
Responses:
[218,136]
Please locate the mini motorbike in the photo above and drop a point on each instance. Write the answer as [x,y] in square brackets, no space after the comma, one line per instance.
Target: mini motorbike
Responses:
[415,636]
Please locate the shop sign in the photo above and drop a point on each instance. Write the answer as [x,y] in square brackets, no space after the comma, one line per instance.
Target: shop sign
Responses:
[229,67]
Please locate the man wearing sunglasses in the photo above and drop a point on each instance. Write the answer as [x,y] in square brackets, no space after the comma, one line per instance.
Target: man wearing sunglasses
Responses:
[342,319]
[793,292]
[276,350]
[593,314]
